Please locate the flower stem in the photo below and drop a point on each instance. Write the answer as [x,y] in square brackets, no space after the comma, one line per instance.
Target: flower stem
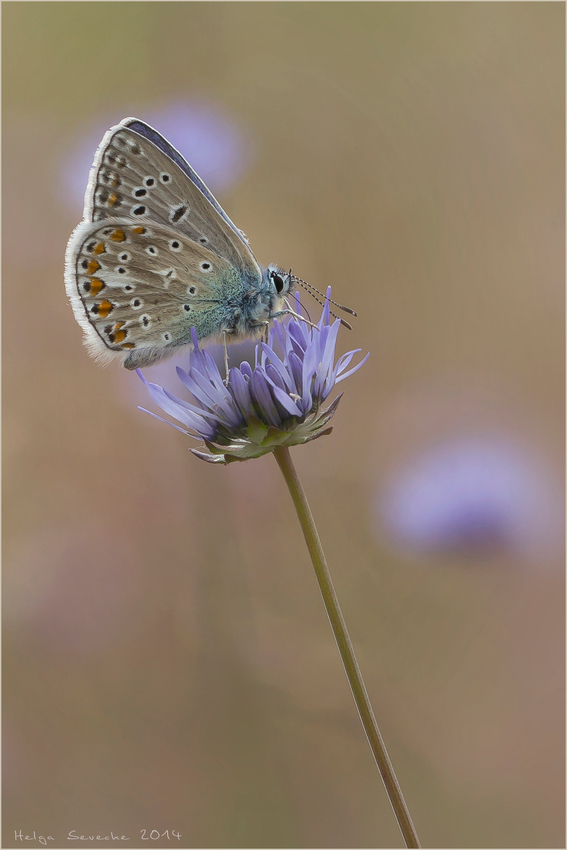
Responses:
[346,650]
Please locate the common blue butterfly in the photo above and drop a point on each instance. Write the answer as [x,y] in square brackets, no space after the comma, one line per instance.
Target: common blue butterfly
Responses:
[156,255]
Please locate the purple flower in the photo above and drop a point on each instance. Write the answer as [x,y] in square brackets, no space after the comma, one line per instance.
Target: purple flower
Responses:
[276,403]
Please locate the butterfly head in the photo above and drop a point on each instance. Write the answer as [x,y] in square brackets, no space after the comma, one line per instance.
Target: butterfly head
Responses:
[280,284]
[276,286]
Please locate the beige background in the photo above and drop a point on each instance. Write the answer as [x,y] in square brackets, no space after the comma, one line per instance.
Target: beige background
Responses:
[167,661]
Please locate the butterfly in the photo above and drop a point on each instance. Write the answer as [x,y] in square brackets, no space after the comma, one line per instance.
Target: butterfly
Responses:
[156,255]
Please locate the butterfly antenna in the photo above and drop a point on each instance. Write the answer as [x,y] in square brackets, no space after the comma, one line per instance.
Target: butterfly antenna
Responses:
[304,284]
[302,306]
[341,320]
[311,289]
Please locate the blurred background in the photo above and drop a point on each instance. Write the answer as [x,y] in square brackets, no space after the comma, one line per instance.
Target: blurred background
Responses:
[168,664]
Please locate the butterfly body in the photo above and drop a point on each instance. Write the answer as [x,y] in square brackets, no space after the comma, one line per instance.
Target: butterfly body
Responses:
[156,255]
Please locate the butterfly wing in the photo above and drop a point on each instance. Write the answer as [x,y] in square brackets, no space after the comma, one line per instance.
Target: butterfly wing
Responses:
[137,289]
[158,140]
[138,174]
[155,254]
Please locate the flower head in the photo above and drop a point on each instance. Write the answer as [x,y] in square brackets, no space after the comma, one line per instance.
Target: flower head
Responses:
[276,403]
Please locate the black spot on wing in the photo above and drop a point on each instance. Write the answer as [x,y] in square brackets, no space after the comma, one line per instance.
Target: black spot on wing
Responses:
[153,136]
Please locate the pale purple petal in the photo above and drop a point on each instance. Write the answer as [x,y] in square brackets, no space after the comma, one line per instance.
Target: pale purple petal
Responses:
[344,360]
[204,394]
[241,391]
[296,371]
[198,411]
[298,335]
[276,363]
[274,377]
[212,371]
[215,397]
[261,395]
[353,370]
[173,425]
[325,316]
[169,406]
[286,402]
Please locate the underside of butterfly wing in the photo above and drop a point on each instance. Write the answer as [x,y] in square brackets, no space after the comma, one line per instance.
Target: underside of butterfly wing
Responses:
[137,289]
[133,177]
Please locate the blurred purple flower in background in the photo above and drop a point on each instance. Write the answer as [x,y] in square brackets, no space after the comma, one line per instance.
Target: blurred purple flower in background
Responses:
[208,139]
[473,494]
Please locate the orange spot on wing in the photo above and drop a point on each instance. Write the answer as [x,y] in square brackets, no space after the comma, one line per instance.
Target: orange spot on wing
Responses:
[104,308]
[118,236]
[128,345]
[138,230]
[96,285]
[92,267]
[112,199]
[119,336]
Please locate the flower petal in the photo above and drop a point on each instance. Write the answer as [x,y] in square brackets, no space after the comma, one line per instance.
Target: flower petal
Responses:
[216,399]
[240,389]
[204,393]
[278,401]
[246,369]
[260,392]
[170,406]
[198,411]
[173,425]
[286,402]
[353,370]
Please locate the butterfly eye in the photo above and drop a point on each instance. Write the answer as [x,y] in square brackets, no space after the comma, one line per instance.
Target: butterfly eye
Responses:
[278,282]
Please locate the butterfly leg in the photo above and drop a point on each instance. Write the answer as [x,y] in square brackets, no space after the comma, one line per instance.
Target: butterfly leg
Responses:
[225,357]
[265,328]
[290,312]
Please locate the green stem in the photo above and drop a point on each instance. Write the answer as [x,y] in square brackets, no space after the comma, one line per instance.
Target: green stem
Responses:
[346,650]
